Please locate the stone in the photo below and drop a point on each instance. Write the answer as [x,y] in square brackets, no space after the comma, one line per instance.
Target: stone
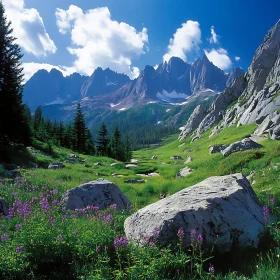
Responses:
[101,193]
[56,165]
[4,209]
[134,181]
[154,157]
[72,156]
[195,138]
[273,88]
[216,149]
[224,209]
[97,164]
[116,164]
[184,172]
[175,157]
[153,174]
[181,145]
[133,160]
[245,144]
[130,166]
[12,174]
[189,159]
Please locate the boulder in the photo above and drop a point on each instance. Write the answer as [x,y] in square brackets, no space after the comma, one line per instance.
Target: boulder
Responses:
[70,161]
[189,159]
[130,166]
[56,165]
[154,157]
[195,138]
[12,174]
[216,149]
[175,157]
[72,156]
[133,160]
[134,181]
[116,164]
[4,209]
[184,172]
[101,193]
[97,164]
[245,144]
[224,209]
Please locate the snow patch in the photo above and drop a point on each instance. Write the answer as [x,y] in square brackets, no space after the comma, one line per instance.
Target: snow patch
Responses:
[122,109]
[181,128]
[114,105]
[108,83]
[167,110]
[164,95]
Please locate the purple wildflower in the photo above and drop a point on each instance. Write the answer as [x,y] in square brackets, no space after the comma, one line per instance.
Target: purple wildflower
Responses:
[17,228]
[265,212]
[55,202]
[4,237]
[211,269]
[200,238]
[272,201]
[19,249]
[120,242]
[63,218]
[45,204]
[193,233]
[156,232]
[59,237]
[113,206]
[151,244]
[181,233]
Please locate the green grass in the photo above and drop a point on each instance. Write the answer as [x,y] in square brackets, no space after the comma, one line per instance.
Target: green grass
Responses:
[77,255]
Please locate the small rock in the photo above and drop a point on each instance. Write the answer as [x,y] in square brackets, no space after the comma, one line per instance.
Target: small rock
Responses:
[217,148]
[12,174]
[184,172]
[98,164]
[134,160]
[154,157]
[181,145]
[189,159]
[195,138]
[129,166]
[56,165]
[4,209]
[134,181]
[70,161]
[175,157]
[72,156]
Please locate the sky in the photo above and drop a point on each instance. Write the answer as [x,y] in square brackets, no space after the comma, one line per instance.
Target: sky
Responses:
[126,35]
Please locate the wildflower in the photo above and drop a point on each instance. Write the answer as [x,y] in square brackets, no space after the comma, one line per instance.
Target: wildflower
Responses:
[113,206]
[193,233]
[272,201]
[45,204]
[151,244]
[4,237]
[200,238]
[55,202]
[19,249]
[211,269]
[156,232]
[265,212]
[34,198]
[181,233]
[18,167]
[120,242]
[51,220]
[59,237]
[63,218]
[17,228]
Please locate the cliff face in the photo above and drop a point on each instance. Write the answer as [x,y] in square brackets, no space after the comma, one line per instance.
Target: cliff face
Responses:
[256,95]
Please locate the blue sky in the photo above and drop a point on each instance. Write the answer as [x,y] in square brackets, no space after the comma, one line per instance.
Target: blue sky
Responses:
[78,36]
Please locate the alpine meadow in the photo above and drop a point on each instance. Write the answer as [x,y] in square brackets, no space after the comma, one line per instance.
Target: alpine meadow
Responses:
[139,140]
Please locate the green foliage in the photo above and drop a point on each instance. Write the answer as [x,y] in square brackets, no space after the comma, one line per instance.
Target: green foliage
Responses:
[13,124]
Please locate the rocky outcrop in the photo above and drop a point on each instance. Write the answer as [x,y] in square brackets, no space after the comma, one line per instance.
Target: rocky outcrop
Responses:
[274,133]
[56,165]
[245,144]
[101,193]
[193,122]
[184,172]
[224,210]
[216,149]
[4,209]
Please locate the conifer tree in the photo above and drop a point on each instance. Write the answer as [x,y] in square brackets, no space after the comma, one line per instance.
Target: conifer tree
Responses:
[79,130]
[89,143]
[13,126]
[102,141]
[127,149]
[116,145]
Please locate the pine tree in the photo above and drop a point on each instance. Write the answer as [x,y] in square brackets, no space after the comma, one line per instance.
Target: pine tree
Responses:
[38,117]
[102,141]
[116,145]
[79,130]
[13,126]
[89,143]
[127,150]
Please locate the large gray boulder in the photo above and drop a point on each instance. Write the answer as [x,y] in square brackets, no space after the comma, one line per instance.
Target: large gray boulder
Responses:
[101,193]
[217,148]
[4,209]
[245,144]
[274,133]
[225,210]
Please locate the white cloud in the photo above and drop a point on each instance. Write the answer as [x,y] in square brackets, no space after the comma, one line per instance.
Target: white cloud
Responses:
[29,28]
[97,40]
[219,58]
[30,68]
[185,39]
[237,58]
[214,36]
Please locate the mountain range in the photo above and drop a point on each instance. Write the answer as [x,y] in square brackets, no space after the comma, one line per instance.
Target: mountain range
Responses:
[172,82]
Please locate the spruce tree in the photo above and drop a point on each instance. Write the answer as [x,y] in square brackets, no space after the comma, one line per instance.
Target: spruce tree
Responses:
[79,130]
[127,149]
[13,126]
[102,141]
[116,145]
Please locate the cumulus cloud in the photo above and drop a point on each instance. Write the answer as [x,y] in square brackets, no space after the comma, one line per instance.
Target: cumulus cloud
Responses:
[29,28]
[237,58]
[214,36]
[219,58]
[30,68]
[97,40]
[186,39]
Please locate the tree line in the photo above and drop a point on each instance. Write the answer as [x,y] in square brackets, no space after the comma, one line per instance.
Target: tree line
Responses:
[19,126]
